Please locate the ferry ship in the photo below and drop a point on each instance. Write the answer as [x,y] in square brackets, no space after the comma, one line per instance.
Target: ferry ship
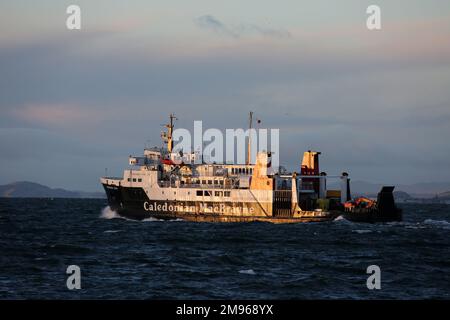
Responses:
[158,186]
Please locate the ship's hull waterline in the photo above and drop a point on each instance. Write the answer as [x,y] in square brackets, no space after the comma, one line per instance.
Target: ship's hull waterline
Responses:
[142,207]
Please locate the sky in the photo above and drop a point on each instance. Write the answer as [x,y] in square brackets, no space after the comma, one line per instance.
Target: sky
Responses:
[75,103]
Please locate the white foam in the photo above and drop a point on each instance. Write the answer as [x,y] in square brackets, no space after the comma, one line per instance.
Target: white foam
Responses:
[107,213]
[111,231]
[151,219]
[341,219]
[142,265]
[362,231]
[247,271]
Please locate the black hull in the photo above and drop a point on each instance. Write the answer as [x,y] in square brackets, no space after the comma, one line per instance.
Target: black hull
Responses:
[372,216]
[133,203]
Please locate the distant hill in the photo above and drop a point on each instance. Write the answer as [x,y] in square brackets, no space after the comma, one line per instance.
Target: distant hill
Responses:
[417,190]
[444,196]
[26,189]
[401,195]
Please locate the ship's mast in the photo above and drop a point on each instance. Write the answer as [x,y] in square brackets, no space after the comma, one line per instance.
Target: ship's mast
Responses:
[250,121]
[167,137]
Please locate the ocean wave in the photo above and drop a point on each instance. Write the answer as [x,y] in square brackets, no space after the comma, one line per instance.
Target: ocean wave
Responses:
[362,231]
[428,223]
[151,219]
[247,271]
[111,231]
[341,219]
[396,223]
[415,227]
[108,213]
[66,248]
[406,225]
[438,223]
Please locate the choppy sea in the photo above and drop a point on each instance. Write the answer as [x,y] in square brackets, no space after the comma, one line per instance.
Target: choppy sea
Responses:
[152,259]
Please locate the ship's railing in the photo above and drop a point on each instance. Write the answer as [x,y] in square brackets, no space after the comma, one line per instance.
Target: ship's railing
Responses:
[167,184]
[113,181]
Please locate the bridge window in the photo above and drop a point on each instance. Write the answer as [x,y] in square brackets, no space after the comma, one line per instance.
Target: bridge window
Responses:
[208,193]
[199,193]
[226,193]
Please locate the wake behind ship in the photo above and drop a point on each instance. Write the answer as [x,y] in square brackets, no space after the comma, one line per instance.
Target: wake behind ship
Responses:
[161,185]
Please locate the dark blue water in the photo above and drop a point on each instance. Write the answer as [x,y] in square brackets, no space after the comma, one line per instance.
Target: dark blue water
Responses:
[126,259]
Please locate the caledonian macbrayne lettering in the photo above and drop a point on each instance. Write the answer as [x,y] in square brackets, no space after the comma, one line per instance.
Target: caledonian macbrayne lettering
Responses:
[202,207]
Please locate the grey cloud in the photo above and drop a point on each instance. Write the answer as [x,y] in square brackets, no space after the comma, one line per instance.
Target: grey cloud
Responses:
[209,22]
[266,32]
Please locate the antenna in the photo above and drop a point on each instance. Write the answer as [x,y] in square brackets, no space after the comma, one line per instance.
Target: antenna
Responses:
[167,136]
[250,121]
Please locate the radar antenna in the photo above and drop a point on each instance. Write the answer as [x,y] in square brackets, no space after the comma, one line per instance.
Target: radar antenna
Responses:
[167,136]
